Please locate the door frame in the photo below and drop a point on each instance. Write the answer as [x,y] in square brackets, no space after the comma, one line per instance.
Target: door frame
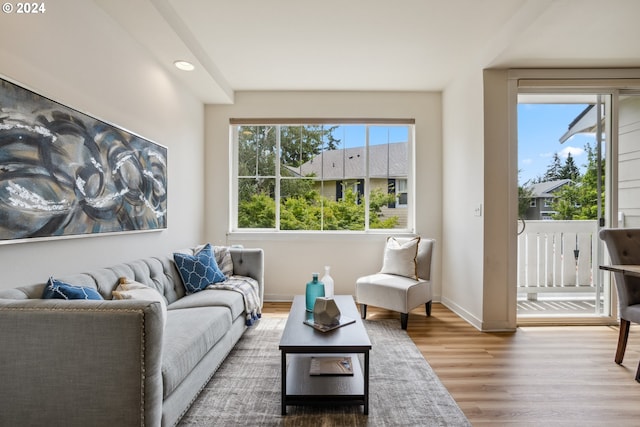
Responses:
[591,81]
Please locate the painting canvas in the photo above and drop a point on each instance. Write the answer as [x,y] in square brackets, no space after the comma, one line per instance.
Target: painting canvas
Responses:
[64,173]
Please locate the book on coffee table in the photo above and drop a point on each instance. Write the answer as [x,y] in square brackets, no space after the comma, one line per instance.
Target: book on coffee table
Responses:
[331,366]
[344,320]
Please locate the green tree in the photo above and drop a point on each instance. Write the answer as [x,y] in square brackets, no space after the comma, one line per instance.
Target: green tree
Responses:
[256,162]
[259,211]
[344,214]
[589,186]
[311,211]
[301,212]
[299,144]
[580,201]
[525,194]
[553,170]
[566,204]
[569,170]
[257,154]
[377,200]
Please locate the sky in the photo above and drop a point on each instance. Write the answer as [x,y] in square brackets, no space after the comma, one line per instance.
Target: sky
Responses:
[354,135]
[540,127]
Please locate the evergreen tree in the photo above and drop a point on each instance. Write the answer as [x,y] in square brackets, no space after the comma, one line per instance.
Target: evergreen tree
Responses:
[554,170]
[569,170]
[589,186]
[580,201]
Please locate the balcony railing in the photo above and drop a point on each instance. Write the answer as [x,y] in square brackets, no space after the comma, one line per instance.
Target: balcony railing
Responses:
[557,256]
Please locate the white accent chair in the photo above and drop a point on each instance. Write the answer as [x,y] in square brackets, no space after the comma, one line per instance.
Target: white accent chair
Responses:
[399,292]
[623,245]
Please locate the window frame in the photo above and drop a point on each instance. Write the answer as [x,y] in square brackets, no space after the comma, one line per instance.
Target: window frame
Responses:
[278,123]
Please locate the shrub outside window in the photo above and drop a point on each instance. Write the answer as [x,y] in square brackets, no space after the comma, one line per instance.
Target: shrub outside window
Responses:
[321,176]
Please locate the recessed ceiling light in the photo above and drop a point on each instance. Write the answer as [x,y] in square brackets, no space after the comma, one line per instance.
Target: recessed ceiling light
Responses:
[184,65]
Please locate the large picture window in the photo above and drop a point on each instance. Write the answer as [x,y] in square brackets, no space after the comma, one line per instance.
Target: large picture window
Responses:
[322,176]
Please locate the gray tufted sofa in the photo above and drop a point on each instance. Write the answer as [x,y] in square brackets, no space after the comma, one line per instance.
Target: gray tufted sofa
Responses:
[112,363]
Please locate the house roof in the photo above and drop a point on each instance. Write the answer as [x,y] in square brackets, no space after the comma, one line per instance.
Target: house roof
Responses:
[385,161]
[585,122]
[546,189]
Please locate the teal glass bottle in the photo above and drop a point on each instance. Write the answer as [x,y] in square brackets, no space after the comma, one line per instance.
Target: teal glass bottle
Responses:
[315,289]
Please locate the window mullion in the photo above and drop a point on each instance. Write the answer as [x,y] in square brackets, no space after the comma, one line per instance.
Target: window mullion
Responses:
[278,177]
[366,179]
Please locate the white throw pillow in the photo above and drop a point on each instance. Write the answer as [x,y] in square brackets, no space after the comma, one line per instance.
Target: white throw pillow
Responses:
[400,258]
[130,289]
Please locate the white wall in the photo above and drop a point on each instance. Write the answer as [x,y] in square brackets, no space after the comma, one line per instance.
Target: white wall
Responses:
[476,154]
[501,200]
[91,64]
[463,192]
[290,259]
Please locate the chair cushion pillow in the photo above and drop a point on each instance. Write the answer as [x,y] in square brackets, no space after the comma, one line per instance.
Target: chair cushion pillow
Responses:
[56,289]
[400,258]
[198,271]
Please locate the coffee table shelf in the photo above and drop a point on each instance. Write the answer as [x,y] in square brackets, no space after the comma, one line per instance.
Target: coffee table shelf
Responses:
[323,387]
[300,342]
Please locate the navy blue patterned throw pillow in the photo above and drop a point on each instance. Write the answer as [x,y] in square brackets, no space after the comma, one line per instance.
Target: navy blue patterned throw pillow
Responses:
[57,289]
[198,271]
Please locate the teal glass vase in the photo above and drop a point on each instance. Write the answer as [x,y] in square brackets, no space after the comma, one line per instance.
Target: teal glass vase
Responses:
[315,289]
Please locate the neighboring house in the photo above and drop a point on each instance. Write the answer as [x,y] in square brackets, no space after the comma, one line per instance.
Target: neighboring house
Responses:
[543,195]
[337,170]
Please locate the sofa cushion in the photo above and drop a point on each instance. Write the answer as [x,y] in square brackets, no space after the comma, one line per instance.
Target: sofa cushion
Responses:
[188,336]
[212,298]
[198,271]
[56,289]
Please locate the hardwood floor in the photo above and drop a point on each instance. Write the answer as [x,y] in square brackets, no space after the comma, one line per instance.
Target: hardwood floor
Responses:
[536,376]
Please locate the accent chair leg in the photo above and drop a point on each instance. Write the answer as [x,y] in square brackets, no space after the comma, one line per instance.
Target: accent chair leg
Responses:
[622,340]
[363,310]
[404,319]
[638,374]
[428,308]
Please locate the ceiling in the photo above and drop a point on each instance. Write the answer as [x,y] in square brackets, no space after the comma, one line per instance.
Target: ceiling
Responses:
[373,45]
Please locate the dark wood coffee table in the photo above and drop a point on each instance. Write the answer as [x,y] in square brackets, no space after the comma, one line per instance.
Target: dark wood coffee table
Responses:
[301,342]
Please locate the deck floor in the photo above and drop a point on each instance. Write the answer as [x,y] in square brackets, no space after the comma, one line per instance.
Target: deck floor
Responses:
[557,307]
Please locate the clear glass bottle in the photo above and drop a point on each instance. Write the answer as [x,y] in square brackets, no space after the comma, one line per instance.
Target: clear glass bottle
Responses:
[315,289]
[328,282]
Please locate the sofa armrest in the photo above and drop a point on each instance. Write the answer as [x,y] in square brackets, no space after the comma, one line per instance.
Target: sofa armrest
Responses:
[249,262]
[80,362]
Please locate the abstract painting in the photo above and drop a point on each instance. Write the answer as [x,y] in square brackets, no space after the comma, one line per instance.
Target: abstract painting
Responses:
[64,173]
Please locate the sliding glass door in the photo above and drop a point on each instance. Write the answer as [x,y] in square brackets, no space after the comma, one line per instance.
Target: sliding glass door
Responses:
[562,141]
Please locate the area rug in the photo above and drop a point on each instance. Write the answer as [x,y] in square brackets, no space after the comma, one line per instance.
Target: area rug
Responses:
[404,390]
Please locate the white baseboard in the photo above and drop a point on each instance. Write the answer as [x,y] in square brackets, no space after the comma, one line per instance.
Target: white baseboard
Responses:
[479,324]
[468,317]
